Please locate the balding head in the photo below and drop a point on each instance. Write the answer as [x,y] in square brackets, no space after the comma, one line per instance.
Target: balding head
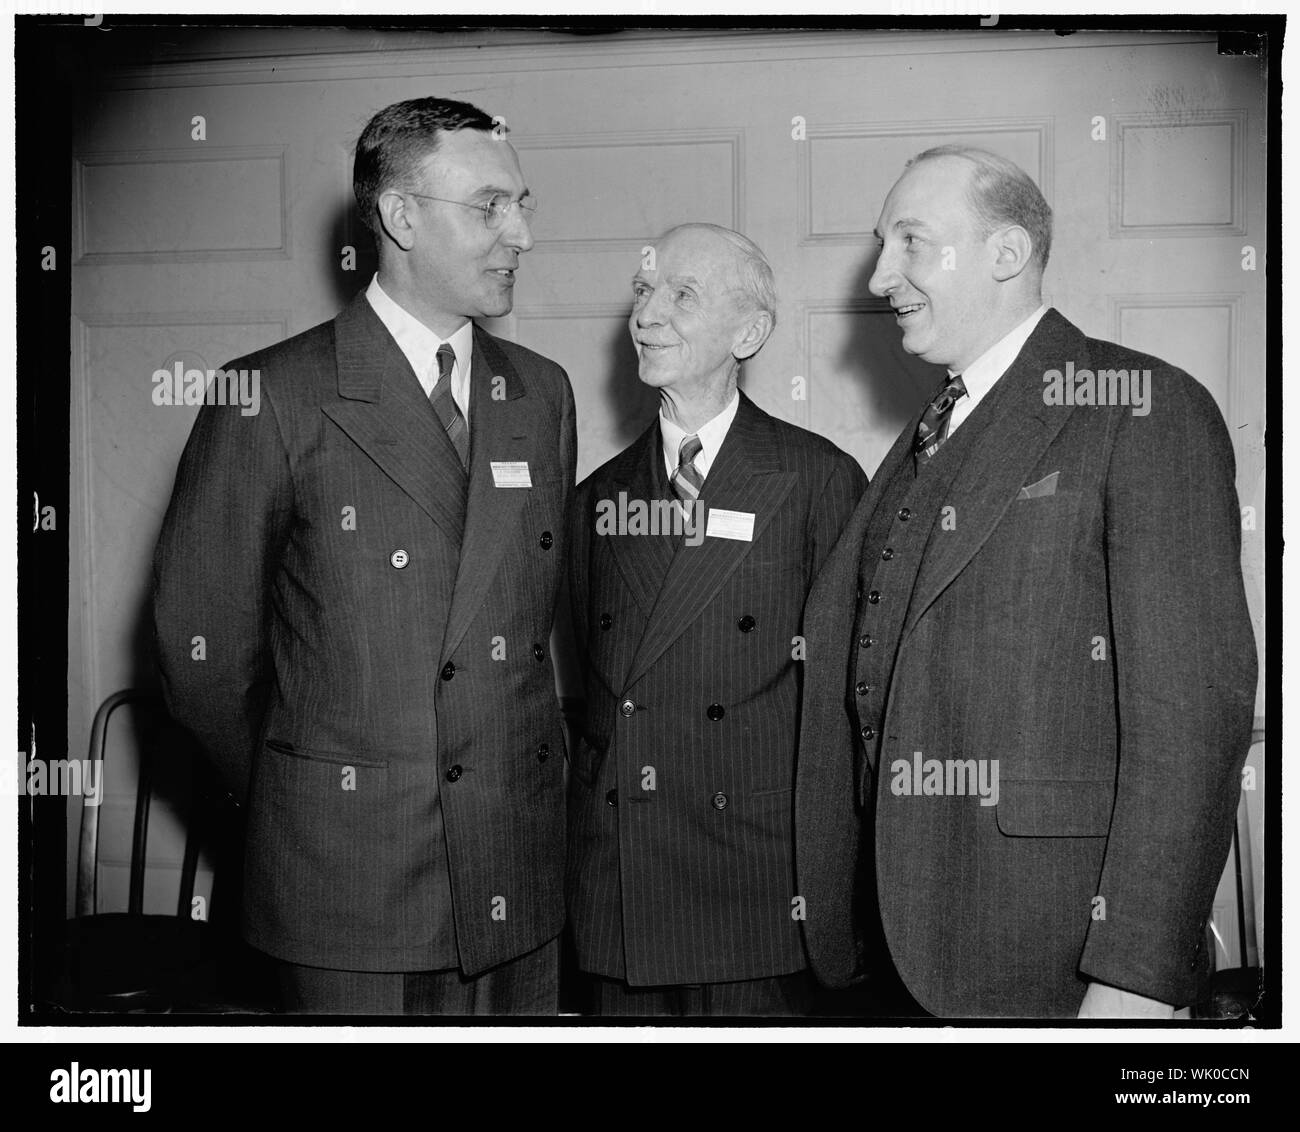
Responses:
[754,279]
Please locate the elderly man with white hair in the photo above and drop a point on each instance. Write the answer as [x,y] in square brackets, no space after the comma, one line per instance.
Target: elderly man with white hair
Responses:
[680,885]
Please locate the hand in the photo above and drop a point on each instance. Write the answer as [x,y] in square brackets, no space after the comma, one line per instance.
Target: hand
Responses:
[1101,1001]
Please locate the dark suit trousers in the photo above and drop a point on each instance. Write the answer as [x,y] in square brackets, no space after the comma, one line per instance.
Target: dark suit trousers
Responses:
[782,996]
[527,985]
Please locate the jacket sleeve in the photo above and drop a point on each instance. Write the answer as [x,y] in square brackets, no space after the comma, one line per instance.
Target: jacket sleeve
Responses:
[833,507]
[1185,667]
[213,571]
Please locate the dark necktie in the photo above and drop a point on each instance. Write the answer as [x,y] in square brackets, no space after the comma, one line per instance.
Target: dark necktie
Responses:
[686,481]
[933,429]
[444,404]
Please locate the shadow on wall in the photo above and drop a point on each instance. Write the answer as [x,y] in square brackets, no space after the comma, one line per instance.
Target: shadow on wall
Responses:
[347,231]
[895,385]
[627,402]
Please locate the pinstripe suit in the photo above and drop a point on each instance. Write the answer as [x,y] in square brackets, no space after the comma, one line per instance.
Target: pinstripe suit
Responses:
[1059,590]
[680,868]
[377,680]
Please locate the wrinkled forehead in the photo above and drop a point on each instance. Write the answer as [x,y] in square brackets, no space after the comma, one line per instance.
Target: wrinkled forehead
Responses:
[700,254]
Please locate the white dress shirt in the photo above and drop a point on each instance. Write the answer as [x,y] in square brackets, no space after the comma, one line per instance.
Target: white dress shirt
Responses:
[712,433]
[983,373]
[420,345]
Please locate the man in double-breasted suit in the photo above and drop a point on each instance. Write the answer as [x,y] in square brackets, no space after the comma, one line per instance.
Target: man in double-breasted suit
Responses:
[692,553]
[1030,670]
[354,591]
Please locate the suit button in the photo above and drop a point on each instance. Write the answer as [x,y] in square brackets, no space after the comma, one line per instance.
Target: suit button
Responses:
[612,797]
[606,621]
[746,624]
[543,753]
[887,553]
[716,712]
[874,597]
[454,773]
[863,688]
[719,801]
[904,514]
[627,707]
[868,734]
[539,652]
[546,541]
[399,559]
[866,641]
[448,670]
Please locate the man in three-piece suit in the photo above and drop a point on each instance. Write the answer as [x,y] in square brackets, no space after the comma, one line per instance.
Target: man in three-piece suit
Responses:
[1030,669]
[372,563]
[680,883]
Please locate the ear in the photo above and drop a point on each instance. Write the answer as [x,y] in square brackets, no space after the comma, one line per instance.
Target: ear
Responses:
[1014,252]
[395,214]
[753,336]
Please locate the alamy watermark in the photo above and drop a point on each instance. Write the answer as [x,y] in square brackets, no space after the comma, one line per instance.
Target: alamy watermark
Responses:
[181,386]
[650,517]
[1104,387]
[923,777]
[69,778]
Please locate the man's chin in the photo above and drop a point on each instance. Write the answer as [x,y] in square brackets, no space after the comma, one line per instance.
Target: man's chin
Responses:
[652,374]
[652,379]
[499,307]
[912,344]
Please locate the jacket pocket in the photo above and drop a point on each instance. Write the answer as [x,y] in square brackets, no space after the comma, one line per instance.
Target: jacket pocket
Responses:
[1030,807]
[338,758]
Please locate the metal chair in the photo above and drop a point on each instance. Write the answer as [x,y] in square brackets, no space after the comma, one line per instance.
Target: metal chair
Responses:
[1236,993]
[132,962]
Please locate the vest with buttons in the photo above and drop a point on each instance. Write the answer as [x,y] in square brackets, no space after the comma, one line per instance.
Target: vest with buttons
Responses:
[897,534]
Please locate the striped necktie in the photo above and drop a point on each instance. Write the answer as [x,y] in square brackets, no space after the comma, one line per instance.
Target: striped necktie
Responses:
[686,481]
[933,429]
[444,404]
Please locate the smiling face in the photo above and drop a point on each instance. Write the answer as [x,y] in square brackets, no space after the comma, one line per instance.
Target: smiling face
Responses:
[460,267]
[935,267]
[690,320]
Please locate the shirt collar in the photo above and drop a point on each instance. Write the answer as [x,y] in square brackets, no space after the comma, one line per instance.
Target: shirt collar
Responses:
[417,341]
[712,433]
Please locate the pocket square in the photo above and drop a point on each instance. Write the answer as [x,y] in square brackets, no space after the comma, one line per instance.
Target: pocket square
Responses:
[1045,486]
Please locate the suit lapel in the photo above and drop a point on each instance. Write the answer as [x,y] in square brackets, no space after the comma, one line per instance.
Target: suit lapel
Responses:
[383,409]
[1015,429]
[746,476]
[499,429]
[642,559]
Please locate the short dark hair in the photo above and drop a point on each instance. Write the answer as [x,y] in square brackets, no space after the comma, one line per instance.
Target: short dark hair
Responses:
[398,139]
[1001,193]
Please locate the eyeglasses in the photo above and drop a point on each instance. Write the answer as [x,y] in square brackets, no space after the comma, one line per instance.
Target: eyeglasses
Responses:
[495,210]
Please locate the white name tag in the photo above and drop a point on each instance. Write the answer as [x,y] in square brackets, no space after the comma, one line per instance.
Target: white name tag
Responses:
[511,473]
[730,524]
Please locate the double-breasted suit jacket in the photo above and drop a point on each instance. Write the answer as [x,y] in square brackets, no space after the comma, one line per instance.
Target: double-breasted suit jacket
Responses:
[680,856]
[1056,597]
[375,675]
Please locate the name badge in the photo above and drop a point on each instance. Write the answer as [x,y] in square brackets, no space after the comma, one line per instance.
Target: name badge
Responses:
[511,473]
[738,525]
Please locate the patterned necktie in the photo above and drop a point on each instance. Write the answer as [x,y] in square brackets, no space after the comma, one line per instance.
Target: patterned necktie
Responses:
[444,404]
[933,429]
[686,481]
